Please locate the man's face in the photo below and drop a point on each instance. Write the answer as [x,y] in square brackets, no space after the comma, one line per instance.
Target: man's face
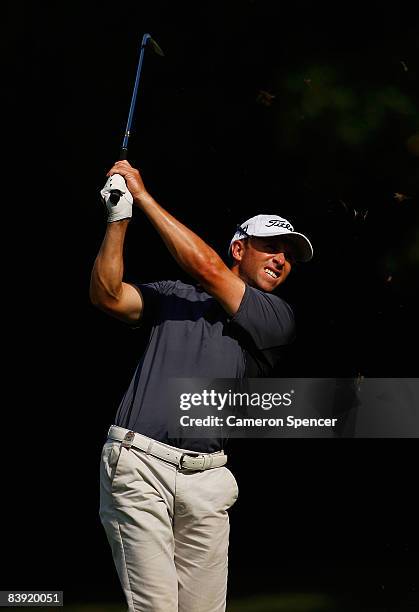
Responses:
[264,262]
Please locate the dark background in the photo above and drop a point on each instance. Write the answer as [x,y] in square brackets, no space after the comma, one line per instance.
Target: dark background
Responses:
[301,109]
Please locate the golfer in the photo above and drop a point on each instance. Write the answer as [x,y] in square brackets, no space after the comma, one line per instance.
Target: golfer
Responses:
[164,502]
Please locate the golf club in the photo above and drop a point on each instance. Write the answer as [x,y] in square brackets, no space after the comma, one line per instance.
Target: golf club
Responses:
[116,194]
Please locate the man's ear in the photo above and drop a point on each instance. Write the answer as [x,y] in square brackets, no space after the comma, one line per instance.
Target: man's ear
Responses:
[237,250]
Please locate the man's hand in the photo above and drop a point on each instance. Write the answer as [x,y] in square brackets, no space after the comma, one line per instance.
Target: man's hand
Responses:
[132,178]
[122,207]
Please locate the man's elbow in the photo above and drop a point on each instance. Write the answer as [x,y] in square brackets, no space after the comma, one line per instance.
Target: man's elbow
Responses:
[106,304]
[99,301]
[103,299]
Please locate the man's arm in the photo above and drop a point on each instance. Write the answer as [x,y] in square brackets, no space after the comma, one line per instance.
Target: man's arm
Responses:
[107,291]
[193,255]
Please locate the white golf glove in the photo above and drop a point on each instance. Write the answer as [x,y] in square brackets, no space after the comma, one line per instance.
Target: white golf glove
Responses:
[123,209]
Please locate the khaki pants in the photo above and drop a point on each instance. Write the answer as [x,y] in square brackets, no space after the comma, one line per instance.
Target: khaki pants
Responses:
[168,529]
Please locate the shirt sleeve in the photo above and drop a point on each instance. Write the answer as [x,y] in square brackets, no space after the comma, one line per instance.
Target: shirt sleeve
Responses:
[152,294]
[266,318]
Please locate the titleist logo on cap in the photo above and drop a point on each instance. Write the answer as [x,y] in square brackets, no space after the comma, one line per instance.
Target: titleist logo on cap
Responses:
[278,223]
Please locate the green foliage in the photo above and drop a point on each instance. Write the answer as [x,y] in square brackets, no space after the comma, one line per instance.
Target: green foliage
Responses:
[339,108]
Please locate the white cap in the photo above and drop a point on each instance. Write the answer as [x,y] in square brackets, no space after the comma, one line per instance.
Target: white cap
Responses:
[271,225]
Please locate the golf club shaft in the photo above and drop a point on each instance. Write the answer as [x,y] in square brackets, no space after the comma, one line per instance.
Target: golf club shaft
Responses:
[124,148]
[123,154]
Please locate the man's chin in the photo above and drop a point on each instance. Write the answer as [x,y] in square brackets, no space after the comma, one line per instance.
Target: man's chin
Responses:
[265,285]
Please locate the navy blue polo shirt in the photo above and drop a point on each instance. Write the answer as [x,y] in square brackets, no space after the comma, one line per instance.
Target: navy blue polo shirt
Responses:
[191,335]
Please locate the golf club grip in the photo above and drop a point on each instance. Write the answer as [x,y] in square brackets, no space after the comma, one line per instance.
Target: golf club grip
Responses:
[123,154]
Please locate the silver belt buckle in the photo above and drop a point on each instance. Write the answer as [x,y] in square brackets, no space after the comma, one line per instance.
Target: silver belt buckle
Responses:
[128,439]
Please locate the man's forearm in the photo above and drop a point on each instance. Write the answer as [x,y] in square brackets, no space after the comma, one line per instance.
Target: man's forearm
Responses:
[193,254]
[108,269]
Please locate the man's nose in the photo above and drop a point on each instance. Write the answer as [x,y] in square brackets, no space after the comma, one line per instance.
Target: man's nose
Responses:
[280,258]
